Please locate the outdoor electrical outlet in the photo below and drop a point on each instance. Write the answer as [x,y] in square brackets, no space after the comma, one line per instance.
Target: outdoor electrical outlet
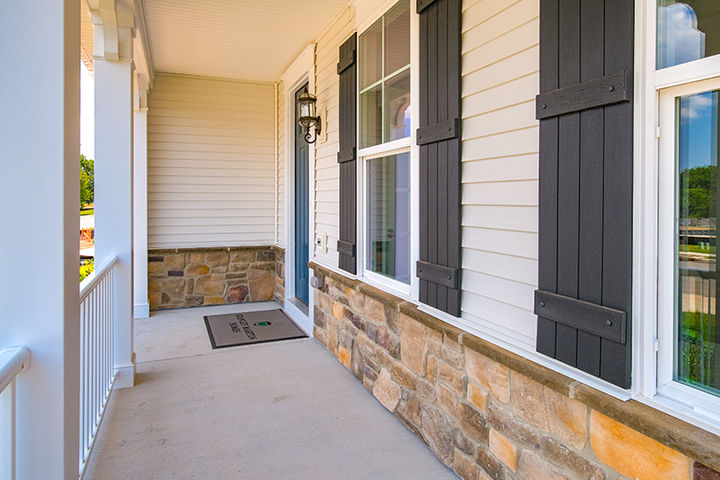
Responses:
[321,242]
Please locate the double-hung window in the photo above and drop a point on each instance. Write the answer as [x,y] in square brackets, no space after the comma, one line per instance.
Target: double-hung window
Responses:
[687,86]
[384,140]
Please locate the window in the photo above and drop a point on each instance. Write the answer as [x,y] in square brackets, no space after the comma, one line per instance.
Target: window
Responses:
[384,78]
[688,327]
[388,207]
[384,139]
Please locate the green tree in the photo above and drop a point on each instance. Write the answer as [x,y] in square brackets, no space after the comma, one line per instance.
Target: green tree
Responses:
[697,191]
[87,180]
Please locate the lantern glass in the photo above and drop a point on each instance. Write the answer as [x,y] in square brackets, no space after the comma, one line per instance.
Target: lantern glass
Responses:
[306,105]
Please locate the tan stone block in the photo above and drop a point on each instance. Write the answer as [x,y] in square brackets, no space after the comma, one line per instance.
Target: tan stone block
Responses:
[430,367]
[338,310]
[242,256]
[411,409]
[403,375]
[531,466]
[154,298]
[447,399]
[239,267]
[154,285]
[215,259]
[374,310]
[175,261]
[344,356]
[386,391]
[477,396]
[213,300]
[452,352]
[567,418]
[156,270]
[451,377]
[503,449]
[196,269]
[550,410]
[356,300]
[326,303]
[489,374]
[175,287]
[482,475]
[213,285]
[633,454]
[195,258]
[332,334]
[261,284]
[465,466]
[413,344]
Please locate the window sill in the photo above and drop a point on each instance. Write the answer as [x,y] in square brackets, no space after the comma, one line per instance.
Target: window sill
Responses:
[640,414]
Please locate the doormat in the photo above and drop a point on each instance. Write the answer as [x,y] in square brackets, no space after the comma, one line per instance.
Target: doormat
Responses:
[232,329]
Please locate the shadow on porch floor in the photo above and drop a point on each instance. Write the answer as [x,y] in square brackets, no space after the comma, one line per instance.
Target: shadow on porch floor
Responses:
[284,410]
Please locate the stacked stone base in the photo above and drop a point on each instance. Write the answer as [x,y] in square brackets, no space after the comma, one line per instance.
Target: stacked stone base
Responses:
[193,277]
[487,413]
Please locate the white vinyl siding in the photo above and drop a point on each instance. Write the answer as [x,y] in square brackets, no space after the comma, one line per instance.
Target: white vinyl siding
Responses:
[500,163]
[500,167]
[326,167]
[211,163]
[282,162]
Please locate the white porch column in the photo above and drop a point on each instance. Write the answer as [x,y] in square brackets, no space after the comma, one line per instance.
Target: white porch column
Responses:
[114,174]
[142,308]
[39,192]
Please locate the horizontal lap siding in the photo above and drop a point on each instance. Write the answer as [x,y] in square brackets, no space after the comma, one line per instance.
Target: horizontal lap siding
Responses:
[282,172]
[327,171]
[211,163]
[500,166]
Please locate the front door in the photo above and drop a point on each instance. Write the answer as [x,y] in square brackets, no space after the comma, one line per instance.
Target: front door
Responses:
[302,211]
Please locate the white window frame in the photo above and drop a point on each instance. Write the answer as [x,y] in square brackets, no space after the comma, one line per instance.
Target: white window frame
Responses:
[654,340]
[394,147]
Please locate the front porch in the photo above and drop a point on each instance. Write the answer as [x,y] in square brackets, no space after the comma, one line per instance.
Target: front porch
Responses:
[277,410]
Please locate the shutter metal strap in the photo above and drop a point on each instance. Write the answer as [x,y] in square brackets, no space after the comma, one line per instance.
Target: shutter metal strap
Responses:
[585,95]
[347,155]
[438,274]
[438,132]
[603,321]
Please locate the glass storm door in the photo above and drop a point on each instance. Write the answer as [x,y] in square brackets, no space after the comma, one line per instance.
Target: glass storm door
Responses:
[302,211]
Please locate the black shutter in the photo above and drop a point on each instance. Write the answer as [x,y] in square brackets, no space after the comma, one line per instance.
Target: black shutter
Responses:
[439,140]
[346,157]
[586,153]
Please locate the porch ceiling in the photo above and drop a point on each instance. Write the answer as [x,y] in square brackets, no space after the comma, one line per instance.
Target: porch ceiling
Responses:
[248,39]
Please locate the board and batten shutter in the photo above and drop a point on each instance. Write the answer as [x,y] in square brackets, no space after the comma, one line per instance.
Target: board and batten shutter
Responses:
[438,136]
[347,154]
[585,108]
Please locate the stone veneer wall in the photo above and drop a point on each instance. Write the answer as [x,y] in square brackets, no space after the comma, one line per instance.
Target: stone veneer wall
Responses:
[488,413]
[190,277]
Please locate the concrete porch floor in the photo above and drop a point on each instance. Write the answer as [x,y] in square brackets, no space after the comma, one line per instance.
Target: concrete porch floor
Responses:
[284,410]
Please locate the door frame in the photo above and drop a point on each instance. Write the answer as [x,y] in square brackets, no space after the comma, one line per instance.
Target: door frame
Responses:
[300,72]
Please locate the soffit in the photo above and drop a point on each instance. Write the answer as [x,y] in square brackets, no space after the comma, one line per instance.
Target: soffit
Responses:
[248,39]
[86,37]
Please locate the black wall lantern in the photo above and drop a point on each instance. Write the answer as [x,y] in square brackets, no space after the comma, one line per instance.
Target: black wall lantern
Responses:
[307,117]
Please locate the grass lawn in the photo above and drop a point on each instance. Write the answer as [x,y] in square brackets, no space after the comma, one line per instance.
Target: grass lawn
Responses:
[90,211]
[697,249]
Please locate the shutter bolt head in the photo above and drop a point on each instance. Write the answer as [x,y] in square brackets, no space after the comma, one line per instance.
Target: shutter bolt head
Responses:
[608,323]
[611,88]
[544,106]
[542,304]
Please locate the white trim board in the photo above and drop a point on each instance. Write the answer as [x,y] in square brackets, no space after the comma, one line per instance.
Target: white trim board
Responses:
[301,71]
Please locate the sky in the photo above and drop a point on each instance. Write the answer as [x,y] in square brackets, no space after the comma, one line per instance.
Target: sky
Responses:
[87,112]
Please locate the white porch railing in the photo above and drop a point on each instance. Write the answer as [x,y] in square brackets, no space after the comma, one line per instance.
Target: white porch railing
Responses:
[13,360]
[97,373]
